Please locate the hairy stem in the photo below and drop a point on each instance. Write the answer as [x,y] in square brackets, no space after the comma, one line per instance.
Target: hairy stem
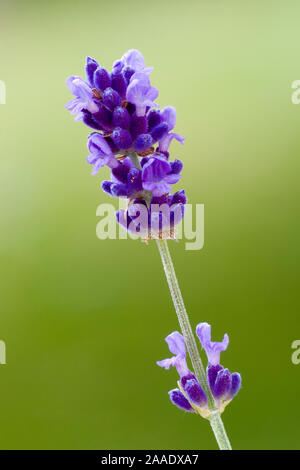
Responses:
[215,420]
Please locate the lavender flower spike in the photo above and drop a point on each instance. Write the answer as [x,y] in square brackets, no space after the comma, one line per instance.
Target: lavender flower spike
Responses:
[176,345]
[212,349]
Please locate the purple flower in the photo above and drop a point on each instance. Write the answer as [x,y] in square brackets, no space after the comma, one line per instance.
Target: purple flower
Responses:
[84,96]
[90,67]
[134,59]
[100,153]
[158,174]
[212,349]
[126,181]
[223,385]
[141,93]
[176,345]
[191,397]
[178,399]
[168,115]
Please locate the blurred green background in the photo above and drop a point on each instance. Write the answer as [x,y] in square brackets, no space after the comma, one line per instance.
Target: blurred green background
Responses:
[84,320]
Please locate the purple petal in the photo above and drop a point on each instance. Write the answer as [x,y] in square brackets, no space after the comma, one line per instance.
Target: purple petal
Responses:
[106,186]
[165,142]
[156,169]
[138,126]
[178,399]
[172,178]
[167,363]
[154,119]
[143,142]
[223,384]
[212,372]
[92,158]
[97,145]
[111,98]
[195,392]
[141,93]
[119,84]
[176,166]
[121,117]
[168,115]
[83,93]
[212,349]
[159,131]
[91,66]
[104,117]
[127,73]
[176,343]
[118,66]
[100,153]
[101,79]
[158,189]
[134,59]
[99,164]
[236,382]
[121,138]
[178,198]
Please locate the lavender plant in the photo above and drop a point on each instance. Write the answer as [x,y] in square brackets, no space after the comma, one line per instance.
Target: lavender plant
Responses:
[132,137]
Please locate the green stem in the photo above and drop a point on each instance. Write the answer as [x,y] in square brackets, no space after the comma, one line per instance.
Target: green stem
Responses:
[135,160]
[215,419]
[219,431]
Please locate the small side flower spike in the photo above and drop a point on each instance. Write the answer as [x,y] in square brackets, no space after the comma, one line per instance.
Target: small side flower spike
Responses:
[190,395]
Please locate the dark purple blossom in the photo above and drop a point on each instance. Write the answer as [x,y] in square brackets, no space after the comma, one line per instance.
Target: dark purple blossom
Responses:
[193,390]
[178,399]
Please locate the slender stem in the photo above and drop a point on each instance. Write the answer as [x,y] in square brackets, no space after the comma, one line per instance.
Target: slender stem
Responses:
[135,160]
[219,431]
[215,420]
